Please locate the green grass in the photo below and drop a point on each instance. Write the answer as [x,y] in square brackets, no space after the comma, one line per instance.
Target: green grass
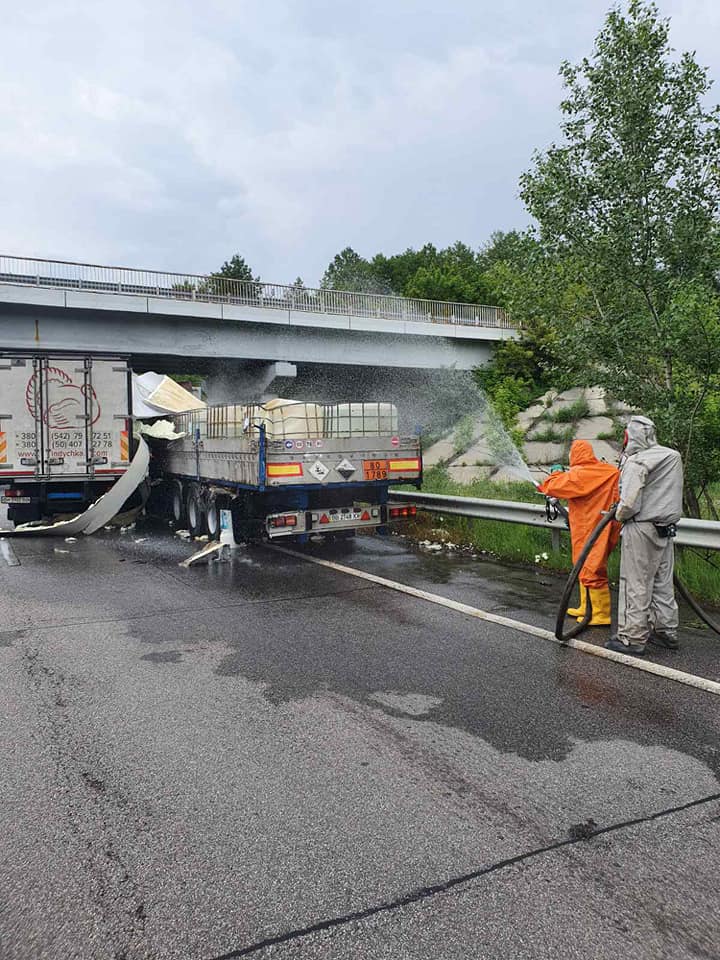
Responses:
[571,413]
[521,544]
[551,435]
[702,578]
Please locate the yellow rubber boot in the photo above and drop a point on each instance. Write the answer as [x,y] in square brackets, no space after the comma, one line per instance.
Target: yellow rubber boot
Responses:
[579,611]
[600,600]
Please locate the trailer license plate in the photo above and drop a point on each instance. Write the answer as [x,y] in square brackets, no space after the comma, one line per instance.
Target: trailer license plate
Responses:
[12,500]
[375,469]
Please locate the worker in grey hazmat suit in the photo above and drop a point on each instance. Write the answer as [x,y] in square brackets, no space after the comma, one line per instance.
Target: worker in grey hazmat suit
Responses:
[651,486]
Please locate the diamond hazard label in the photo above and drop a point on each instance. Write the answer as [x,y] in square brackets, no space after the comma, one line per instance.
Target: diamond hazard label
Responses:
[319,470]
[346,469]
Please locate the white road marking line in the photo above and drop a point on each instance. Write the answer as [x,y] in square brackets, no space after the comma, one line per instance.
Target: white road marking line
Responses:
[647,666]
[7,553]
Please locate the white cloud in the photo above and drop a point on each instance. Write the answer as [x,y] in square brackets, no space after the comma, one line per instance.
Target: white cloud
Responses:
[174,133]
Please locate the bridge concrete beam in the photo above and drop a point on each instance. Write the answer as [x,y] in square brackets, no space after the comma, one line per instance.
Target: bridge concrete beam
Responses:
[73,320]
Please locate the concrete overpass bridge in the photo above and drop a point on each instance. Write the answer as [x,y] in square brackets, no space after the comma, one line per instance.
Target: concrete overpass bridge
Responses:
[242,335]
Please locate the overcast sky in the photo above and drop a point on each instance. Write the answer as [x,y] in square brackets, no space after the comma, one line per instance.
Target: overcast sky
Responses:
[172,133]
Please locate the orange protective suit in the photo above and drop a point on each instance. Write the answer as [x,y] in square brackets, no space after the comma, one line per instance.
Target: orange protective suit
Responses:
[589,486]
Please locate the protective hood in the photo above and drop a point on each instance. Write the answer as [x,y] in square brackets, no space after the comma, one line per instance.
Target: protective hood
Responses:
[641,435]
[581,453]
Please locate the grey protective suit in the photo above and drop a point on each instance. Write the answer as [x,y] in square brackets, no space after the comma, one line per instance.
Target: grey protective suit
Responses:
[651,485]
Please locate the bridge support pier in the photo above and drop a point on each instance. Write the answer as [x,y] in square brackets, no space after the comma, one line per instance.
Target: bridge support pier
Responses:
[245,382]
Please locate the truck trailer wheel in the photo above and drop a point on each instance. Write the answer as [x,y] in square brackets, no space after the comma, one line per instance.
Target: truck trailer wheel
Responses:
[196,510]
[214,506]
[177,505]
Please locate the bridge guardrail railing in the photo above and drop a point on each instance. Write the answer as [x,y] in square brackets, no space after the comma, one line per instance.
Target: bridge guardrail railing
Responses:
[702,534]
[215,288]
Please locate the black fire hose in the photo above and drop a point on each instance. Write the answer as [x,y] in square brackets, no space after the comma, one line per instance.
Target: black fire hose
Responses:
[575,573]
[694,605]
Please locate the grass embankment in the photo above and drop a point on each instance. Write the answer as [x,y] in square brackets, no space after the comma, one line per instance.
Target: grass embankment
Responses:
[521,544]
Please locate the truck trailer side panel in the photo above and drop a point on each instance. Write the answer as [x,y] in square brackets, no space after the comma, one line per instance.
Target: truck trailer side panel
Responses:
[65,429]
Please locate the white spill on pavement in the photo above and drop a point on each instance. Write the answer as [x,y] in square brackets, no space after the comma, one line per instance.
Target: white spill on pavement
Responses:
[646,666]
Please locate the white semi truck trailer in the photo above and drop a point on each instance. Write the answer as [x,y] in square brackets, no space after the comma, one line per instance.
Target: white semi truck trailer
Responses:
[65,431]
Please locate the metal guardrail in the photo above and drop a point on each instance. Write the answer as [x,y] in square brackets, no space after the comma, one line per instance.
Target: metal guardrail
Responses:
[702,534]
[69,275]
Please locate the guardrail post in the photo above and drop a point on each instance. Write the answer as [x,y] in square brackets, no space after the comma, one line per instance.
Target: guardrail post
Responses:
[555,539]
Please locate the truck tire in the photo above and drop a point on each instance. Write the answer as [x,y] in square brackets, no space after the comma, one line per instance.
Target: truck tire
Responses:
[177,505]
[214,506]
[196,510]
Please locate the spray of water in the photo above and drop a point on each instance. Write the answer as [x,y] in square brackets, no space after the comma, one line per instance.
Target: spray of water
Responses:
[505,452]
[456,395]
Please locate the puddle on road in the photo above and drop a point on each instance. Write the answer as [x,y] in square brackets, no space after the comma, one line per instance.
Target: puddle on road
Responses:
[409,704]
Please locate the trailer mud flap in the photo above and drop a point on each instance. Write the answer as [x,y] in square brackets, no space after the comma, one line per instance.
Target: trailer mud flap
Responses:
[99,513]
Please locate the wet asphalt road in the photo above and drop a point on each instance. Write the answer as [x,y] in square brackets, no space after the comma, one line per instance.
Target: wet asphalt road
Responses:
[269,758]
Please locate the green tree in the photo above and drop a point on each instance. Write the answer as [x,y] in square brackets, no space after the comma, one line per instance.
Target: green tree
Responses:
[236,268]
[399,269]
[349,271]
[247,288]
[627,209]
[455,273]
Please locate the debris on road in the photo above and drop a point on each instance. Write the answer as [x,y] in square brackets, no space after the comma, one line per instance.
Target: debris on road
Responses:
[7,553]
[207,553]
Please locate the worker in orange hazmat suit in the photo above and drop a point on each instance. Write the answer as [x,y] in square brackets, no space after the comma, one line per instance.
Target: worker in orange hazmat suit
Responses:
[590,486]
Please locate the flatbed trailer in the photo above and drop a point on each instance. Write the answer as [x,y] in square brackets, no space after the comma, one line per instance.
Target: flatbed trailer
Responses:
[287,469]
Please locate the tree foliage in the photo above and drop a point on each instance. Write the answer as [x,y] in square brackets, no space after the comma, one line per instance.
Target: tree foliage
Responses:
[236,268]
[349,271]
[455,273]
[627,210]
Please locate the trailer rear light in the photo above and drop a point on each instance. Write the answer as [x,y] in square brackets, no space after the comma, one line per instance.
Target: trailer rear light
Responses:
[13,492]
[285,520]
[404,465]
[397,512]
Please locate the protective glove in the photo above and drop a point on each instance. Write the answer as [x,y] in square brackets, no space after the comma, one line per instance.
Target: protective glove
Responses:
[557,468]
